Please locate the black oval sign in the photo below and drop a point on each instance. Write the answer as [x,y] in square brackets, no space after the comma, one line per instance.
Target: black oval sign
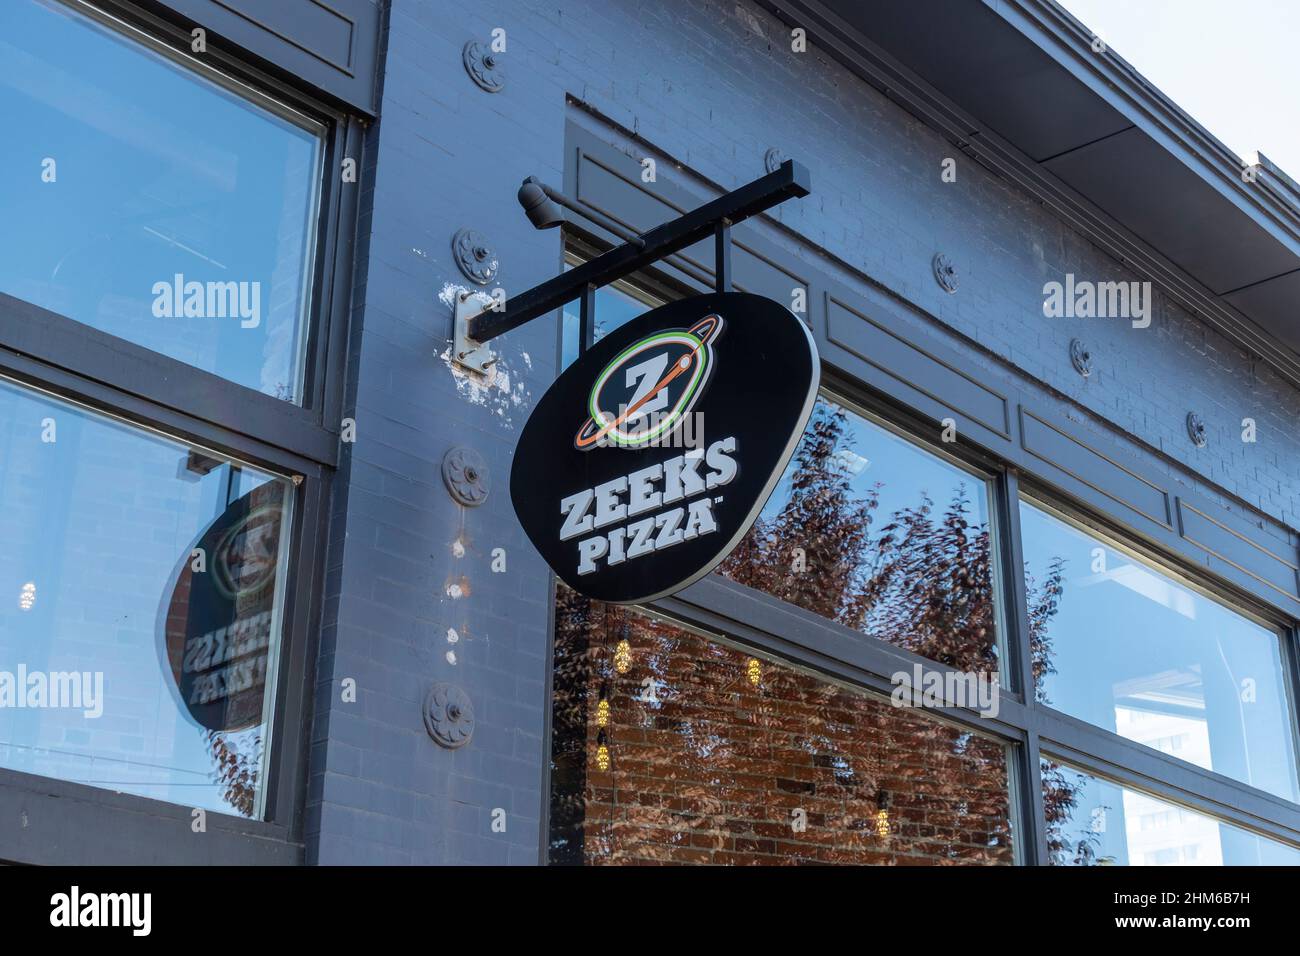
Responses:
[649,458]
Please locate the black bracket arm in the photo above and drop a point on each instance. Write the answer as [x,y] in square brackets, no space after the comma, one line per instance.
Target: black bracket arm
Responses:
[476,324]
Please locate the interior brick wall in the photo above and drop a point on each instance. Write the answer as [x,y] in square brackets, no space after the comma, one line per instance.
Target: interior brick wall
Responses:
[711,767]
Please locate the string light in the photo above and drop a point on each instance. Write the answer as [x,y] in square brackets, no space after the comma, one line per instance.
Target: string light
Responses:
[602,713]
[623,657]
[27,599]
[882,815]
[755,671]
[602,753]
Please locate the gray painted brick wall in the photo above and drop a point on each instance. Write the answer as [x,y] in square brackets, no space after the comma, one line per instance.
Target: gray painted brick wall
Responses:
[713,85]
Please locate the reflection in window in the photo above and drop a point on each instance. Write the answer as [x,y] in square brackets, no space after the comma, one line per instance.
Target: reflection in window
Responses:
[1130,649]
[140,602]
[152,203]
[673,747]
[1093,822]
[616,305]
[867,529]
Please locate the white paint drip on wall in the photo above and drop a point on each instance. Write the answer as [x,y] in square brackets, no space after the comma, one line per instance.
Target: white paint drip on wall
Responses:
[495,390]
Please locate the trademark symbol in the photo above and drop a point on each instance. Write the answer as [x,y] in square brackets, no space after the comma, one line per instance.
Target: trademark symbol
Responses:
[718,500]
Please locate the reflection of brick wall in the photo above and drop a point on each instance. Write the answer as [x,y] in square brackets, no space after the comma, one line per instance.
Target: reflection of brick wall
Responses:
[713,769]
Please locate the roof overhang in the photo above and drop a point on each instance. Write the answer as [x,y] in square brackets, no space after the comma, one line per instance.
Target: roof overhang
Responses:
[1017,85]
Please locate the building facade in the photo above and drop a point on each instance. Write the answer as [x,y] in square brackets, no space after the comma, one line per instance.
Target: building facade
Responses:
[264,598]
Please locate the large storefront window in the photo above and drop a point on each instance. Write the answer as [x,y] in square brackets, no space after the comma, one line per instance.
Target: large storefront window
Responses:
[155,203]
[870,530]
[1093,822]
[1131,649]
[141,596]
[672,747]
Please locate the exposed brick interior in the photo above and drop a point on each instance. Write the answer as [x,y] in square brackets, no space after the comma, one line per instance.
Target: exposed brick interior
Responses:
[713,765]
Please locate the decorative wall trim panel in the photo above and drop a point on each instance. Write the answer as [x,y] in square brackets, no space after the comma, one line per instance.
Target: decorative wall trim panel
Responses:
[332,45]
[1081,462]
[915,367]
[1275,566]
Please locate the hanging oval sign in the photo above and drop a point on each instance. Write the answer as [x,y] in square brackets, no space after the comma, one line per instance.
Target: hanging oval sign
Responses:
[649,458]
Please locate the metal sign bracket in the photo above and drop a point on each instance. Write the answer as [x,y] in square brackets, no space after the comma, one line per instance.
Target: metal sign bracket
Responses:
[465,351]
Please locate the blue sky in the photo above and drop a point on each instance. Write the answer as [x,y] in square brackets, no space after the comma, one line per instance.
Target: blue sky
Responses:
[1233,66]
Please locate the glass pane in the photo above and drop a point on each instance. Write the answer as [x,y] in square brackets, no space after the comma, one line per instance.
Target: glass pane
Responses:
[1132,650]
[140,606]
[155,204]
[869,530]
[616,305]
[1093,822]
[672,747]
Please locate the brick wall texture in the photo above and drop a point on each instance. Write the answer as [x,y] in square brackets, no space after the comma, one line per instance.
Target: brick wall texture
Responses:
[715,756]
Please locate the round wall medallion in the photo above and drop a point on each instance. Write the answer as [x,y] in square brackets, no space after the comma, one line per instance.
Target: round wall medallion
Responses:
[1196,430]
[773,159]
[1081,357]
[945,273]
[474,256]
[466,475]
[448,715]
[483,67]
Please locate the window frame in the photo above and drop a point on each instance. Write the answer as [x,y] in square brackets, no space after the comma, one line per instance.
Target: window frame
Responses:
[299,441]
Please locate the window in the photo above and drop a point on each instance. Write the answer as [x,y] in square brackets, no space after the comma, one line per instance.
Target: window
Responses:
[616,305]
[1093,822]
[868,529]
[1133,650]
[671,746]
[141,602]
[156,201]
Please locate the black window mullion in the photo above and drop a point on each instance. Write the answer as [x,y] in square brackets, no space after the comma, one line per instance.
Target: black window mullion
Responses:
[1142,768]
[811,641]
[93,367]
[1019,649]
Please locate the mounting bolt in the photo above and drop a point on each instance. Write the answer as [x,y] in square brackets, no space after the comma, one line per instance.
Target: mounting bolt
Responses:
[773,159]
[474,256]
[483,67]
[1196,430]
[945,273]
[448,715]
[465,474]
[1080,357]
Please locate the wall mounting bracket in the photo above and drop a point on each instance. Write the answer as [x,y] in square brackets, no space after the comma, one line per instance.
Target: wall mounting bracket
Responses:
[476,324]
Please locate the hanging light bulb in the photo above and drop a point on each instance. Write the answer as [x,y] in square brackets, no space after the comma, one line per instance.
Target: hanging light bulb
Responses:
[755,670]
[27,598]
[602,753]
[882,815]
[602,713]
[623,656]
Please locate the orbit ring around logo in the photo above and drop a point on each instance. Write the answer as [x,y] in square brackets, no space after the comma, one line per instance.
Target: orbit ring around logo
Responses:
[649,387]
